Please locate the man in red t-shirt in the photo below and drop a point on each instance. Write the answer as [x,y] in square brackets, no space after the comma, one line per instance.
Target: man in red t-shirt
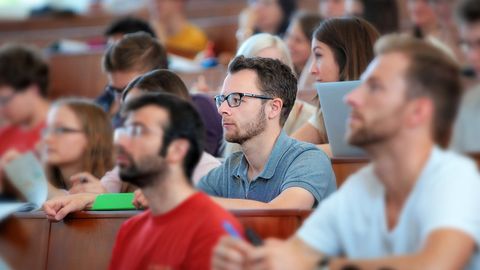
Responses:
[24,77]
[157,149]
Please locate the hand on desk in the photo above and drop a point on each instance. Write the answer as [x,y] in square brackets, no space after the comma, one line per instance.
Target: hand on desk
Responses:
[139,200]
[233,253]
[57,208]
[86,183]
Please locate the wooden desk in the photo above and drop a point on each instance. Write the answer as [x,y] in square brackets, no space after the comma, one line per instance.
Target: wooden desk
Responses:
[344,167]
[84,240]
[475,157]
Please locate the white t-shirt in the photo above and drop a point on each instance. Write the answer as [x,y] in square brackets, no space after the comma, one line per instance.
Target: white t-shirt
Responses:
[352,221]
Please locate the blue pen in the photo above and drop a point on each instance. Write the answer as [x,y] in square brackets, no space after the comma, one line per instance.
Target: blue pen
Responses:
[231,230]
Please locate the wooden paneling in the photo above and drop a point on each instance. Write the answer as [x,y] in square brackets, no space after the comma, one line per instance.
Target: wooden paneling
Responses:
[84,240]
[475,157]
[272,223]
[344,167]
[24,241]
[78,75]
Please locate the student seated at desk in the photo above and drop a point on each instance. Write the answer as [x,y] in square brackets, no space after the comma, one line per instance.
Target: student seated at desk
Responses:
[78,138]
[267,45]
[136,54]
[24,79]
[272,170]
[180,36]
[157,81]
[337,58]
[157,150]
[415,206]
[129,57]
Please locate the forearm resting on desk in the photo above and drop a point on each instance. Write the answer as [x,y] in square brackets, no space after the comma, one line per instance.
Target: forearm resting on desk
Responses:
[444,249]
[290,198]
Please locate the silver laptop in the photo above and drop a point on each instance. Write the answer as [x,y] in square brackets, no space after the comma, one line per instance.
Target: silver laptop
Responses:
[335,114]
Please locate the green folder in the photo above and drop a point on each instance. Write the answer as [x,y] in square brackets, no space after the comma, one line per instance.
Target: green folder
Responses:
[114,201]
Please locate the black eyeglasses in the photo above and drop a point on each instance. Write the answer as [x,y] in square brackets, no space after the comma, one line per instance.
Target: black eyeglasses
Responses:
[234,99]
[113,90]
[58,131]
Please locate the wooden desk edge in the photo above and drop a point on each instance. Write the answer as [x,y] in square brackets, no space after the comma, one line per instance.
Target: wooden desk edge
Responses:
[343,160]
[131,213]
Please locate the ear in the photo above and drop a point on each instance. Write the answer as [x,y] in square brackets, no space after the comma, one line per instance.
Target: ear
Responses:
[177,151]
[421,111]
[275,108]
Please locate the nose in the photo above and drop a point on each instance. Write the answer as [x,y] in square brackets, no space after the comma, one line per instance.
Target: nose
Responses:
[313,68]
[224,108]
[353,98]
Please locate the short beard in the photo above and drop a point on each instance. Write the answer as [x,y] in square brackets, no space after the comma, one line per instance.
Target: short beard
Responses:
[367,136]
[252,129]
[363,138]
[150,171]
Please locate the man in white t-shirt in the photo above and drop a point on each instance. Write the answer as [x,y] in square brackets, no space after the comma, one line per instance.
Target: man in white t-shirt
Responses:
[416,206]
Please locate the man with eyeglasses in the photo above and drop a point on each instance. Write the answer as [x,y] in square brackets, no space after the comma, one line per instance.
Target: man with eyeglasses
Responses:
[157,149]
[272,170]
[145,53]
[24,78]
[466,132]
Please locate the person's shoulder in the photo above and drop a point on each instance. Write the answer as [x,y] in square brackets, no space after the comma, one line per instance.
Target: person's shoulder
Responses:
[195,32]
[136,221]
[447,164]
[7,129]
[307,149]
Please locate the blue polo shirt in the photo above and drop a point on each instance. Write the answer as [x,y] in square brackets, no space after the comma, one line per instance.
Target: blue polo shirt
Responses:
[291,164]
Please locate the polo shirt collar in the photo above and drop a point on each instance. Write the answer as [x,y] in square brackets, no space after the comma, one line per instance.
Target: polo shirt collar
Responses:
[281,146]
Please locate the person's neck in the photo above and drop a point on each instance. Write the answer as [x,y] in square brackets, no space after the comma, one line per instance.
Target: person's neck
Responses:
[257,150]
[68,171]
[398,164]
[170,190]
[39,114]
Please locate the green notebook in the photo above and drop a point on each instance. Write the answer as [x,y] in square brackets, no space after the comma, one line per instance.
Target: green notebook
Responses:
[114,201]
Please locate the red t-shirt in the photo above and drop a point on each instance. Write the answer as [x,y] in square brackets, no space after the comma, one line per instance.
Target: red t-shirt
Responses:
[14,137]
[183,238]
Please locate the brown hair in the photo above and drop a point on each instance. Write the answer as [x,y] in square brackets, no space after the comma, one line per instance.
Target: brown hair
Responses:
[98,157]
[352,41]
[160,80]
[431,73]
[308,22]
[22,66]
[135,52]
[274,79]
